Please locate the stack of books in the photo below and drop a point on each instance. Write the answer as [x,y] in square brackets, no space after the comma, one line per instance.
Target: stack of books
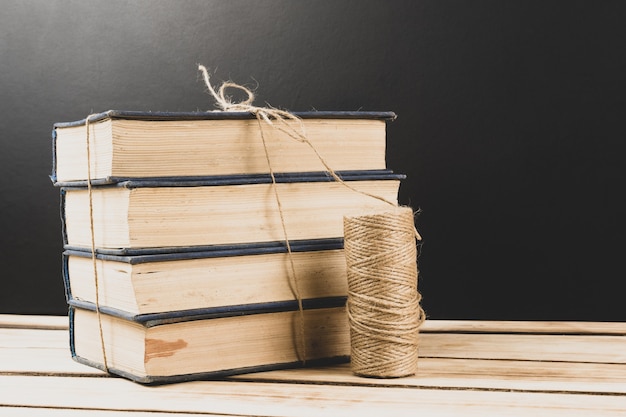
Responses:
[194,279]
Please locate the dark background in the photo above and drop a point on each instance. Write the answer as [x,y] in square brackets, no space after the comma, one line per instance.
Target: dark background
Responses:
[510,126]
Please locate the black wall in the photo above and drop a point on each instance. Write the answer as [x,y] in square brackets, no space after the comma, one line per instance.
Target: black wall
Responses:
[510,128]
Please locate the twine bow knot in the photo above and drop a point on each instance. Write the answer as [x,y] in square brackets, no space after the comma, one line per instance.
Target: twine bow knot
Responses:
[267,114]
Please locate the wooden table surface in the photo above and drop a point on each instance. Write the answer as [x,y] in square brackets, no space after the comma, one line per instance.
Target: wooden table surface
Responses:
[466,368]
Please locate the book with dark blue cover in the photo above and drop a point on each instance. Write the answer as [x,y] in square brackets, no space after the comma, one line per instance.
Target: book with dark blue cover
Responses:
[131,144]
[195,212]
[223,115]
[210,343]
[141,282]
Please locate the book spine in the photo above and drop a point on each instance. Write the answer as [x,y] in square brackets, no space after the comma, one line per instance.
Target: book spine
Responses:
[62,194]
[65,271]
[53,175]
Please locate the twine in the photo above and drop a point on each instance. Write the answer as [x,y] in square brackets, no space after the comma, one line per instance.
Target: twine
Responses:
[383,302]
[93,246]
[398,357]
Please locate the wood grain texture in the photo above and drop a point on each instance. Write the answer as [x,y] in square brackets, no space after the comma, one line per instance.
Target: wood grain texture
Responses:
[548,327]
[556,377]
[527,347]
[471,369]
[9,321]
[284,399]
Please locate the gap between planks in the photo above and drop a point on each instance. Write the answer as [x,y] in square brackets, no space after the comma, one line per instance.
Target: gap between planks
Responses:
[429,326]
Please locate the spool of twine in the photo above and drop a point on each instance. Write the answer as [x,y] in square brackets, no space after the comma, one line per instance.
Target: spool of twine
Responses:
[383,301]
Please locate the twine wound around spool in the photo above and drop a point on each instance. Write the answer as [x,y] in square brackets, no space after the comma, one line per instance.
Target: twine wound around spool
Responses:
[383,301]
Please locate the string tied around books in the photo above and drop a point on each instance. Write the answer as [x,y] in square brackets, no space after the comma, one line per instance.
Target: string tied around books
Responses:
[383,302]
[93,246]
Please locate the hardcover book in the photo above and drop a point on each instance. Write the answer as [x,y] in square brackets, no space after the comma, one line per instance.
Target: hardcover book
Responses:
[144,283]
[221,210]
[212,343]
[127,144]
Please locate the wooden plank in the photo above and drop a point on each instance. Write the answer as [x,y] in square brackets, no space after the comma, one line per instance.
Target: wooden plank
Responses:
[472,373]
[49,349]
[10,321]
[34,338]
[39,351]
[276,399]
[39,361]
[548,327]
[530,347]
[432,372]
